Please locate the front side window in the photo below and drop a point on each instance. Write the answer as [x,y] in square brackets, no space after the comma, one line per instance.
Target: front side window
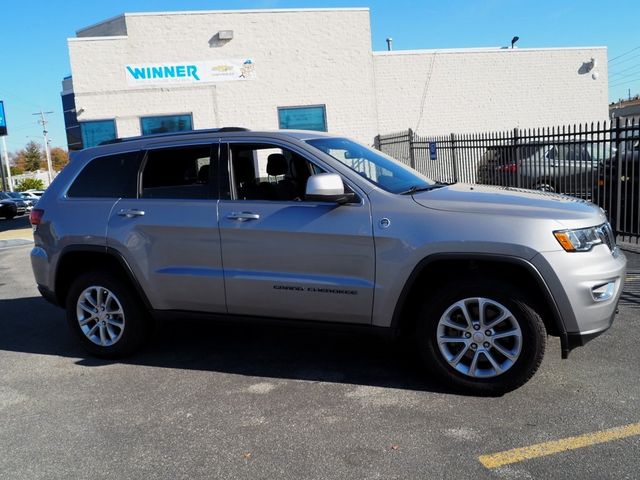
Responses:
[383,171]
[269,172]
[165,124]
[112,176]
[180,173]
[97,132]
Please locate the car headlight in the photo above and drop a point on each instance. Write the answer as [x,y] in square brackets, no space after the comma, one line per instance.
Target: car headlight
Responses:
[578,240]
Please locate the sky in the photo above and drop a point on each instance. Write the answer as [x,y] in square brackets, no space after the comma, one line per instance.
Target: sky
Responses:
[34,56]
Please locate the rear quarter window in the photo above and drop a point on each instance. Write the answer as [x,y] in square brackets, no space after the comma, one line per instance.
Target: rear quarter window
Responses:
[111,176]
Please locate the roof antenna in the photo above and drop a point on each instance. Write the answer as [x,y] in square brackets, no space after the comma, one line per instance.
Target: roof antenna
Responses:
[389,44]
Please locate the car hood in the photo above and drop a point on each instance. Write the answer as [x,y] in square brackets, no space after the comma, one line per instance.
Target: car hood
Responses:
[483,199]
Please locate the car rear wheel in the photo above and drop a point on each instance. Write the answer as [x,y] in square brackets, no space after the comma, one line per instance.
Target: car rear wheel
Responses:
[106,315]
[481,337]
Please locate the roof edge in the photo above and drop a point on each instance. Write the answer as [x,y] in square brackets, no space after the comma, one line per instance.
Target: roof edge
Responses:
[480,50]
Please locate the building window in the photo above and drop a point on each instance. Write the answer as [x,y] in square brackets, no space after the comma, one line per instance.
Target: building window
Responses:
[312,117]
[165,124]
[97,132]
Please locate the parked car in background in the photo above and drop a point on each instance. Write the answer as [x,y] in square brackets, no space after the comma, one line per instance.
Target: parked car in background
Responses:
[622,171]
[8,208]
[37,193]
[21,205]
[567,168]
[31,196]
[19,196]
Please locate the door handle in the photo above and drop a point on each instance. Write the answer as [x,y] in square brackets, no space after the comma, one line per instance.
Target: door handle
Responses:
[243,216]
[131,212]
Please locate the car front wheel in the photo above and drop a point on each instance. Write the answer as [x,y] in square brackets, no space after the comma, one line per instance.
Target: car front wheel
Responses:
[481,337]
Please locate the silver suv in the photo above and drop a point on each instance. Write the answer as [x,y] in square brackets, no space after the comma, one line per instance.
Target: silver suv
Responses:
[315,228]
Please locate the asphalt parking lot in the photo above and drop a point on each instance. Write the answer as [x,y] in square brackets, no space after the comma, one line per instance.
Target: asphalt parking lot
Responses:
[212,401]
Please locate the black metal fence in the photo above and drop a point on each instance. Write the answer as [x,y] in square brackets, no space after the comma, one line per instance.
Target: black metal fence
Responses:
[597,162]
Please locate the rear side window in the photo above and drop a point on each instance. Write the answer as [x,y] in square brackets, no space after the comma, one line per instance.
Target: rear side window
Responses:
[182,172]
[112,176]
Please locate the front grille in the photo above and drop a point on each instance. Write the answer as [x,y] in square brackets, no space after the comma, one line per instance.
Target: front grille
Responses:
[606,235]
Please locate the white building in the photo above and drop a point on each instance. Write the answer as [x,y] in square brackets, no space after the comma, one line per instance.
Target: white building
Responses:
[142,73]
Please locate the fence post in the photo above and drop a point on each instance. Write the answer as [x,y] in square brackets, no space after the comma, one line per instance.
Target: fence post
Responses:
[516,139]
[618,174]
[376,142]
[412,157]
[454,157]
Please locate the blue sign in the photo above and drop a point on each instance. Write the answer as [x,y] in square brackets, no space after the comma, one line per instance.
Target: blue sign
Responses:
[433,153]
[3,120]
[303,118]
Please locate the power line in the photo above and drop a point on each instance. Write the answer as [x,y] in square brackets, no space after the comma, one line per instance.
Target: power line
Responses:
[13,96]
[627,59]
[637,65]
[427,83]
[625,82]
[625,53]
[631,74]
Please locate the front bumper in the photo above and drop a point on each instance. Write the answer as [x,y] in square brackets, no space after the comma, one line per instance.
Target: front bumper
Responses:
[575,340]
[574,278]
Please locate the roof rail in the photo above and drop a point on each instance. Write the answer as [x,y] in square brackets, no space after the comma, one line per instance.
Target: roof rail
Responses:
[173,134]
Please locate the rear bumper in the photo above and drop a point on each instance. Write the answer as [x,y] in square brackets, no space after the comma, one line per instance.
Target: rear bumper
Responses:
[48,295]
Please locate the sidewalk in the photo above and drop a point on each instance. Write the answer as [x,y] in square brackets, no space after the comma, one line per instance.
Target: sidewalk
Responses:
[18,227]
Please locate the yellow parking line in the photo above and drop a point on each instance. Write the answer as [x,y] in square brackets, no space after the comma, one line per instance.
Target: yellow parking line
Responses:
[556,446]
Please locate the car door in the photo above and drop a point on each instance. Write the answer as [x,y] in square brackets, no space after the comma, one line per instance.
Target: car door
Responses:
[292,258]
[169,233]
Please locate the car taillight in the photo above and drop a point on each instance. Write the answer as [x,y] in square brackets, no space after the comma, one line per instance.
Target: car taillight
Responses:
[35,217]
[510,168]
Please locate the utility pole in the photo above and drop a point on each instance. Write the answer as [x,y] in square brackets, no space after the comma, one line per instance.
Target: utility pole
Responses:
[43,121]
[5,155]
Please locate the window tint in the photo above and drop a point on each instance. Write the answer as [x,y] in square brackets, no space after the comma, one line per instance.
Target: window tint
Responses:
[303,118]
[113,176]
[384,171]
[267,172]
[183,172]
[165,124]
[95,133]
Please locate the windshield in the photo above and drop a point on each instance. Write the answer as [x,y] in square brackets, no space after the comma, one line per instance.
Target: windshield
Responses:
[378,168]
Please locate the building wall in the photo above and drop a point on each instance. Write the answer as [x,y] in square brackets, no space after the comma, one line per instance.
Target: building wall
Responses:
[481,90]
[303,57]
[323,56]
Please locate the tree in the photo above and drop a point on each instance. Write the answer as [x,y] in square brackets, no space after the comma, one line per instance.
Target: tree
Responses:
[59,158]
[32,156]
[30,184]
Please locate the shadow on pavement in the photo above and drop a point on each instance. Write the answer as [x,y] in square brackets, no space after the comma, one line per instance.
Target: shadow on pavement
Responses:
[31,325]
[16,223]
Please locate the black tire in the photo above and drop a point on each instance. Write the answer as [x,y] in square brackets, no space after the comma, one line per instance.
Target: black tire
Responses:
[136,325]
[532,339]
[545,187]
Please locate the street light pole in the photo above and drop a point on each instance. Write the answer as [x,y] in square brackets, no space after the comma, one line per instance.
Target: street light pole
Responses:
[5,155]
[43,122]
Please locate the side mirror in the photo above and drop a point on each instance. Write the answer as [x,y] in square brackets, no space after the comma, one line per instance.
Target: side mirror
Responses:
[327,187]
